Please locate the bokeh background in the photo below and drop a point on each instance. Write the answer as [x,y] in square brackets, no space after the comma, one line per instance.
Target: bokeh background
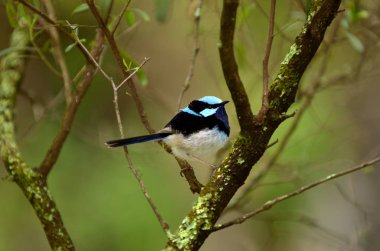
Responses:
[99,199]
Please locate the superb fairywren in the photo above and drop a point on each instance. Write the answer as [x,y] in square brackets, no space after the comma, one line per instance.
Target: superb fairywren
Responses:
[196,132]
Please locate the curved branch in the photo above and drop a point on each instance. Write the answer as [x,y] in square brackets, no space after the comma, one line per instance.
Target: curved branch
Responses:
[230,67]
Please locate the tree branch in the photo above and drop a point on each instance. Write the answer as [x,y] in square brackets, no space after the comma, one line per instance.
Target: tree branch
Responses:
[254,137]
[269,204]
[68,118]
[230,67]
[31,182]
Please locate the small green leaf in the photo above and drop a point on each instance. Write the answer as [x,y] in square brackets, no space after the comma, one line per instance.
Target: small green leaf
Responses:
[80,8]
[129,17]
[131,65]
[355,42]
[69,47]
[363,14]
[141,76]
[144,16]
[125,63]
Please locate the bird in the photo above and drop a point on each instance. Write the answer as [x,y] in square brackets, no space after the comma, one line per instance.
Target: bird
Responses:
[196,132]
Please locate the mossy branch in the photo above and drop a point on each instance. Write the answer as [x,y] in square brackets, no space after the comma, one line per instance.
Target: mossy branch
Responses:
[31,182]
[254,137]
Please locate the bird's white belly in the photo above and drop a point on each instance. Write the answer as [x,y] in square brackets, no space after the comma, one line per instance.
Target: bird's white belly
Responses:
[202,145]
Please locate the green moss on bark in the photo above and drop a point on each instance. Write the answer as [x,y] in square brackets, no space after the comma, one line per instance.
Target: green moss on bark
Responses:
[32,183]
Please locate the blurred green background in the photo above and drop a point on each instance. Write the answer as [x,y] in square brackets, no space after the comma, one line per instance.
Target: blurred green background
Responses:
[99,199]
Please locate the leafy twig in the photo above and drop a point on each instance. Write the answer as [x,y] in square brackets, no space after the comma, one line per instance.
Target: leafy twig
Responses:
[49,21]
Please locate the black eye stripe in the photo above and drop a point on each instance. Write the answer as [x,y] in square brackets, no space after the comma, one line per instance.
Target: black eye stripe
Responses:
[198,106]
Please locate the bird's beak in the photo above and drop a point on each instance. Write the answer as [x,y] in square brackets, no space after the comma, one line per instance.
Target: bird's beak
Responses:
[224,102]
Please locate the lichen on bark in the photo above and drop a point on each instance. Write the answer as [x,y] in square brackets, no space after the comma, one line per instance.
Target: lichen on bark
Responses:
[32,183]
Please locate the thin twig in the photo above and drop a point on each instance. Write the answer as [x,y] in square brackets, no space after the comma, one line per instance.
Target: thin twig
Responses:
[109,11]
[269,204]
[265,102]
[272,144]
[119,59]
[134,171]
[41,55]
[197,19]
[57,51]
[279,30]
[120,16]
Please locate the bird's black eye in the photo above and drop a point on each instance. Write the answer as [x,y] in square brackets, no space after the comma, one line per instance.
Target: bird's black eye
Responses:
[213,106]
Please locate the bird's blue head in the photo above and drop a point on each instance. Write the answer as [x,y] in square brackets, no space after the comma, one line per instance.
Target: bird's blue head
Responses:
[205,106]
[208,106]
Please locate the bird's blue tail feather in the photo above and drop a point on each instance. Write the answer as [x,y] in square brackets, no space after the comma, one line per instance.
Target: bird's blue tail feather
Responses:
[138,139]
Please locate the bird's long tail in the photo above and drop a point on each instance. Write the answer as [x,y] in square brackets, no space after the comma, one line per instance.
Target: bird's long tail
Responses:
[138,139]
